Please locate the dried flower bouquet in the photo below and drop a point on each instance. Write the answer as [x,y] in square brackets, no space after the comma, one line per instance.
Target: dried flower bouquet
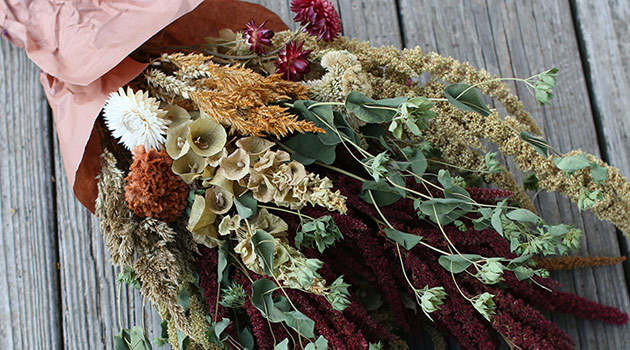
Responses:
[303,190]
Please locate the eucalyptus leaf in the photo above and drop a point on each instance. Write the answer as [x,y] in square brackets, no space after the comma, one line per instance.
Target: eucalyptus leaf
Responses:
[183,299]
[246,205]
[376,346]
[222,264]
[138,339]
[367,109]
[400,182]
[541,146]
[571,164]
[523,215]
[321,343]
[445,179]
[264,245]
[456,192]
[283,345]
[523,272]
[322,232]
[519,261]
[121,339]
[307,148]
[456,263]
[481,223]
[246,338]
[406,240]
[599,173]
[492,164]
[128,276]
[466,99]
[383,194]
[544,86]
[300,323]
[447,209]
[588,199]
[495,220]
[282,303]
[322,116]
[416,159]
[220,327]
[262,290]
[343,127]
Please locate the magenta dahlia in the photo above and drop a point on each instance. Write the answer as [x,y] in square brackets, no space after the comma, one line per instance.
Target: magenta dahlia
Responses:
[292,62]
[319,16]
[257,36]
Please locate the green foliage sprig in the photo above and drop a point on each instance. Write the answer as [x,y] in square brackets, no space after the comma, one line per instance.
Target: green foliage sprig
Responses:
[321,232]
[392,167]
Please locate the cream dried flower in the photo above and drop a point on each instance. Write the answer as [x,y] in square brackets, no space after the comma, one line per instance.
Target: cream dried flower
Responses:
[136,119]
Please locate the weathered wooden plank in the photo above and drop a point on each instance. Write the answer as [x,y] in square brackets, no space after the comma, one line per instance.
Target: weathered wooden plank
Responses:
[280,7]
[518,39]
[29,281]
[605,34]
[89,291]
[375,21]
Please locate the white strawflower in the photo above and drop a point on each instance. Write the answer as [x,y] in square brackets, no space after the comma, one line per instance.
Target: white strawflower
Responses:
[136,119]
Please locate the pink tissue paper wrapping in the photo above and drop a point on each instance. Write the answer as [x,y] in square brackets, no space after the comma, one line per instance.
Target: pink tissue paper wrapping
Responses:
[82,48]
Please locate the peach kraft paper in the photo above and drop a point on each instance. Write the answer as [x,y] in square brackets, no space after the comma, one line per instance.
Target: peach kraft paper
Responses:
[82,48]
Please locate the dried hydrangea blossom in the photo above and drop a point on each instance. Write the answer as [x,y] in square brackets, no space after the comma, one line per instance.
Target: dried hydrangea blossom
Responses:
[136,119]
[153,190]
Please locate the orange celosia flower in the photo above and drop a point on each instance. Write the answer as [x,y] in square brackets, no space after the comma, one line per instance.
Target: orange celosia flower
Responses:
[153,190]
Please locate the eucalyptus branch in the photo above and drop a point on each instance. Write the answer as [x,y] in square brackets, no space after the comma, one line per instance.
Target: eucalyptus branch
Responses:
[458,167]
[297,213]
[526,81]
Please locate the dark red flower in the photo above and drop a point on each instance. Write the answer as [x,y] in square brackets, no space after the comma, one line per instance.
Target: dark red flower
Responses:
[292,61]
[257,36]
[319,16]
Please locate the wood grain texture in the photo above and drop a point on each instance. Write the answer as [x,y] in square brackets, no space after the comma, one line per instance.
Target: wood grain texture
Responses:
[605,33]
[29,282]
[375,21]
[519,39]
[89,290]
